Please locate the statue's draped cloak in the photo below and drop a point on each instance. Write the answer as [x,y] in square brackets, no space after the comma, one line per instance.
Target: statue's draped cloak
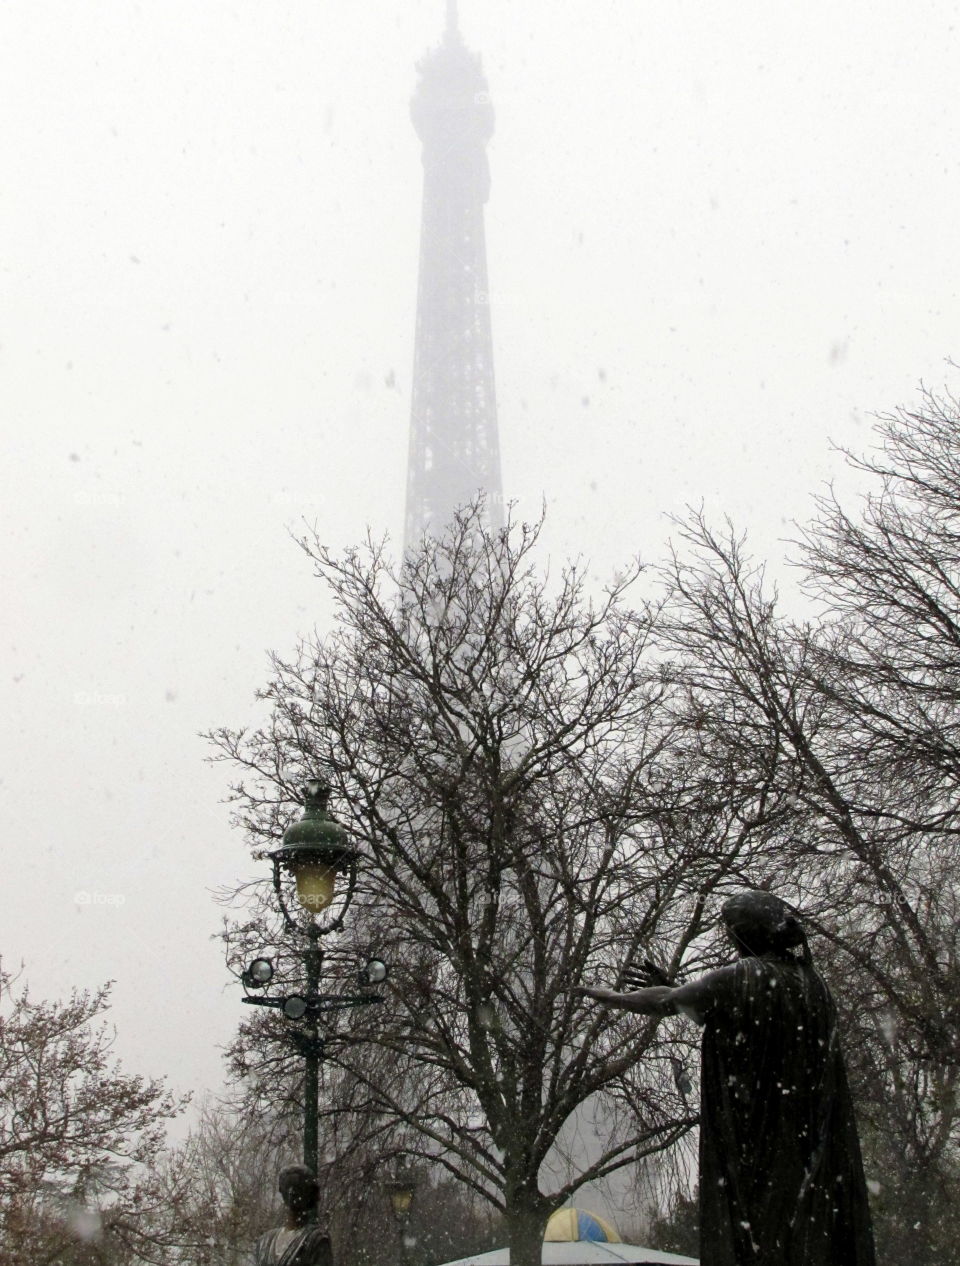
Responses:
[310,1246]
[781,1177]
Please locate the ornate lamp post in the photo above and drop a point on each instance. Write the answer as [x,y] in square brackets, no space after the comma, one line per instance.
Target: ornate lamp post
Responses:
[315,851]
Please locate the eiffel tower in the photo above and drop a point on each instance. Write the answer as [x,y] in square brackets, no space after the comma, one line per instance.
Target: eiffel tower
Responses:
[454,448]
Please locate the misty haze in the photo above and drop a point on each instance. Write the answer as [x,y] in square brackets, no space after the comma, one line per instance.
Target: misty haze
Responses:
[538,425]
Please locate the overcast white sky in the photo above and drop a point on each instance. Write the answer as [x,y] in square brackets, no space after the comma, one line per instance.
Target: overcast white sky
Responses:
[720,235]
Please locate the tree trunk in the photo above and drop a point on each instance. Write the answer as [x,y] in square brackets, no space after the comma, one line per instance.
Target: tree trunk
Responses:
[526,1219]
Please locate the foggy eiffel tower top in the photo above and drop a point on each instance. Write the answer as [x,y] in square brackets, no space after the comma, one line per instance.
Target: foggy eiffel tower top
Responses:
[454,448]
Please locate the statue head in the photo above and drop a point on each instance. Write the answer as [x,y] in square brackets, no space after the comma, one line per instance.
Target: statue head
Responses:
[760,923]
[299,1189]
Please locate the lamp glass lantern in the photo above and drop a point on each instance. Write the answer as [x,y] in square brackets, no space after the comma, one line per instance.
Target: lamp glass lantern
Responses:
[401,1199]
[259,973]
[316,884]
[295,1007]
[375,972]
[402,1190]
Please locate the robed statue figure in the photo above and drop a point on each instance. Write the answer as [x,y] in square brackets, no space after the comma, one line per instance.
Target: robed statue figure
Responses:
[781,1176]
[299,1242]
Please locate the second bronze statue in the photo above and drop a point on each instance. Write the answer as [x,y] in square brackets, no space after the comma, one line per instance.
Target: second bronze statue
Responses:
[781,1176]
[299,1242]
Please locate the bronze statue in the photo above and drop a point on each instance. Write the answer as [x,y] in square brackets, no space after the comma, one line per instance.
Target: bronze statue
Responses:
[781,1177]
[299,1242]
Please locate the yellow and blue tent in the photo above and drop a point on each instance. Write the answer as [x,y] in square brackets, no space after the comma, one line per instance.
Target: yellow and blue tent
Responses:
[579,1224]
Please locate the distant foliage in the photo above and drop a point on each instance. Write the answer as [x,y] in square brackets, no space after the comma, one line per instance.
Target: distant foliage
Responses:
[678,1229]
[77,1134]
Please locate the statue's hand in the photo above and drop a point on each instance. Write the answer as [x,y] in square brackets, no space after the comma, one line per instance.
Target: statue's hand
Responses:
[645,976]
[601,995]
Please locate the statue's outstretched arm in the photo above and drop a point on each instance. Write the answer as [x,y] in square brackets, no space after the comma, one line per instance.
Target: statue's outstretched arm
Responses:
[693,1000]
[653,1001]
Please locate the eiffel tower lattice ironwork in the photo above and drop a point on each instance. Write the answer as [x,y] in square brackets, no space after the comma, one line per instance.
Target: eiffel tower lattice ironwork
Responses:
[454,447]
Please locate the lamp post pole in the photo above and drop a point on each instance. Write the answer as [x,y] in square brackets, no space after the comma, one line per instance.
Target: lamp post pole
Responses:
[313,961]
[314,852]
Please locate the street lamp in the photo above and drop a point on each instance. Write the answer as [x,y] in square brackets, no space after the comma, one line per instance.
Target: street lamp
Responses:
[401,1189]
[315,851]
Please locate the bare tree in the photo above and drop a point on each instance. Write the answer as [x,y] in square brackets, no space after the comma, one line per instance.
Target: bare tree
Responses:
[857,712]
[207,1200]
[77,1134]
[530,811]
[875,837]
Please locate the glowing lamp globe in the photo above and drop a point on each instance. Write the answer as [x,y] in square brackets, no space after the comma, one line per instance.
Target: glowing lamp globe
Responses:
[401,1191]
[401,1201]
[315,884]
